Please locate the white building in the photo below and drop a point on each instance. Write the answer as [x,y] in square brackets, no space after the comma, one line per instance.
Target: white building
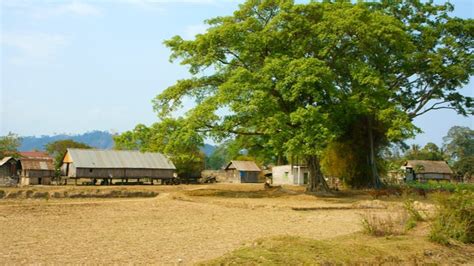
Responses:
[284,175]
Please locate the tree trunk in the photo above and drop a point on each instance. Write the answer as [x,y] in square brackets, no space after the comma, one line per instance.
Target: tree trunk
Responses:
[316,180]
[373,166]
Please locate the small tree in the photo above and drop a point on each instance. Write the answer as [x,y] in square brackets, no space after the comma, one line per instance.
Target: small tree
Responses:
[58,149]
[9,145]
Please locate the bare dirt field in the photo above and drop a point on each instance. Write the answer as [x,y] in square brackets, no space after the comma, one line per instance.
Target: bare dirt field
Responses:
[183,224]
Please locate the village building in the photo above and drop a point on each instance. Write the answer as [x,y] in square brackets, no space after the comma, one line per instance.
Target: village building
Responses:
[290,175]
[423,170]
[107,165]
[36,171]
[242,172]
[9,171]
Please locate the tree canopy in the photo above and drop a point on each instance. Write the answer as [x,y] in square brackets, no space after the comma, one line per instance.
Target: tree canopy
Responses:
[301,75]
[459,142]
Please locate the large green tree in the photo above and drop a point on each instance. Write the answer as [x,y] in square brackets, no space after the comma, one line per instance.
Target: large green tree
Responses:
[295,75]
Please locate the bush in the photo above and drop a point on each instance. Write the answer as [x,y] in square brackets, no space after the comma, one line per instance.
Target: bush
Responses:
[455,218]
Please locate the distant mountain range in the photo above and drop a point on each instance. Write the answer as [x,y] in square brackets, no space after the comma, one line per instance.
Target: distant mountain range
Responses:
[97,139]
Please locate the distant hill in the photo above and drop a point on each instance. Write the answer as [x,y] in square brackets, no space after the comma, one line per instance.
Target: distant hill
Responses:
[208,149]
[96,139]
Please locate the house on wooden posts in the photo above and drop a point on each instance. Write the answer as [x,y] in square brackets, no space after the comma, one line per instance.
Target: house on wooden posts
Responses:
[107,165]
[423,170]
[9,171]
[290,175]
[242,172]
[36,171]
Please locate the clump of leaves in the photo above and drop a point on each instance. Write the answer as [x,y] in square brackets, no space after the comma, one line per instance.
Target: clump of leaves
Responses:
[455,219]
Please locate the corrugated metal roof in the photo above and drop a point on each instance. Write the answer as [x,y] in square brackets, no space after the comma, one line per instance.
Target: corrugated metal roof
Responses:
[248,166]
[89,158]
[36,164]
[34,154]
[423,166]
[5,160]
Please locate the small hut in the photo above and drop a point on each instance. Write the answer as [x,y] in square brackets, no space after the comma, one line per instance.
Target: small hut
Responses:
[424,170]
[242,172]
[290,175]
[9,168]
[36,171]
[107,165]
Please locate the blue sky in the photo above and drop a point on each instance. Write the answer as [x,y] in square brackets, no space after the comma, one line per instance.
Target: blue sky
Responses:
[77,66]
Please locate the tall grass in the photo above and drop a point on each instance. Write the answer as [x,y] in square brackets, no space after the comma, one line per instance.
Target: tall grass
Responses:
[455,218]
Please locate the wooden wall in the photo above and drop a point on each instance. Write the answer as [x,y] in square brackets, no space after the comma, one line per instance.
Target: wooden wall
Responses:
[120,173]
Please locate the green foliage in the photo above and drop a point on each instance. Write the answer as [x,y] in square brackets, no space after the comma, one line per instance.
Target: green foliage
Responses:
[429,152]
[455,218]
[459,142]
[464,168]
[58,149]
[432,186]
[173,137]
[295,77]
[251,148]
[9,145]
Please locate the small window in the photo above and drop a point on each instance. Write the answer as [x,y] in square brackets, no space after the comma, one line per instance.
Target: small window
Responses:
[90,170]
[286,174]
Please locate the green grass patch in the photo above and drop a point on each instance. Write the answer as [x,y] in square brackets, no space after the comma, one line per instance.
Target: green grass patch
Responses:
[432,186]
[352,249]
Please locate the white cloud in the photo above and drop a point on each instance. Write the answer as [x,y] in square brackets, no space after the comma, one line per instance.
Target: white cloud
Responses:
[32,48]
[192,30]
[47,9]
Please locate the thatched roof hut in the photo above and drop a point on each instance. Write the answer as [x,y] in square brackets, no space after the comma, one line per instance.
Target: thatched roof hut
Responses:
[425,170]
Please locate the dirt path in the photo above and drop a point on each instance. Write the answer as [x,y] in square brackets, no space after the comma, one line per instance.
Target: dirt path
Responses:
[170,228]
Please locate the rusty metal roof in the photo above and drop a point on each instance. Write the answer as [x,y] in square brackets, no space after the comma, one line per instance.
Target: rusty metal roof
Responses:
[90,158]
[248,166]
[424,166]
[37,164]
[34,154]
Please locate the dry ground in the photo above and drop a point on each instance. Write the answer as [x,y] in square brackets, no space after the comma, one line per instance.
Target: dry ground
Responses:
[183,224]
